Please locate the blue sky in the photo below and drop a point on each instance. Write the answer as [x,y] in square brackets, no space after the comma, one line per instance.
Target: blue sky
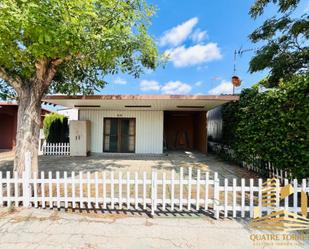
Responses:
[200,37]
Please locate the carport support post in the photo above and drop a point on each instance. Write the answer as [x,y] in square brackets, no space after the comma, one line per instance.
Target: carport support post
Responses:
[26,180]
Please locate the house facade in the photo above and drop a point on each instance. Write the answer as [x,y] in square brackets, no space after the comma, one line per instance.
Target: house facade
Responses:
[144,124]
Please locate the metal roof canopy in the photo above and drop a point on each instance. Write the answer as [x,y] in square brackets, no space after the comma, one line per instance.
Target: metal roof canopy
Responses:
[141,102]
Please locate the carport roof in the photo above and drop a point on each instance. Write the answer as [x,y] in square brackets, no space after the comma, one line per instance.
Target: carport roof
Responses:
[141,102]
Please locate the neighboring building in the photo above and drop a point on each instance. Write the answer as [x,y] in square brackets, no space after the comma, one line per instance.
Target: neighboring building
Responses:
[144,123]
[214,124]
[70,113]
[8,124]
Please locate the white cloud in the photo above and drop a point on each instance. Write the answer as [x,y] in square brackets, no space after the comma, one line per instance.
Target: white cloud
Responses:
[198,83]
[199,35]
[120,81]
[178,34]
[225,87]
[149,85]
[197,54]
[171,87]
[176,87]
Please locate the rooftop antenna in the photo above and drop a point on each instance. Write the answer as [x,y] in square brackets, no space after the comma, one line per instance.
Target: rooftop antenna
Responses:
[236,81]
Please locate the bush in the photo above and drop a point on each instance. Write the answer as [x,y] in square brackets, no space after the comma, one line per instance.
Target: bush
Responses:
[56,129]
[273,126]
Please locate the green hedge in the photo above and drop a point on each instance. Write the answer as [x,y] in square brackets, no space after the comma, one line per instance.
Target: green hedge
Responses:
[273,125]
[56,129]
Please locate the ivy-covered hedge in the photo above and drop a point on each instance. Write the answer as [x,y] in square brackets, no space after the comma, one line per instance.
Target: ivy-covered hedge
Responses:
[56,129]
[272,126]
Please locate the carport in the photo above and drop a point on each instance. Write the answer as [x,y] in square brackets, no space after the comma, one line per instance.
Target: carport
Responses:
[185,130]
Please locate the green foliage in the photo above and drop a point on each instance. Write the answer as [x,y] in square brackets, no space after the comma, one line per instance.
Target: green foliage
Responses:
[56,129]
[284,37]
[258,7]
[272,126]
[229,116]
[83,40]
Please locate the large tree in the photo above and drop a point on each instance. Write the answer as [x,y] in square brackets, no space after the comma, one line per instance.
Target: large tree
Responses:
[67,46]
[285,49]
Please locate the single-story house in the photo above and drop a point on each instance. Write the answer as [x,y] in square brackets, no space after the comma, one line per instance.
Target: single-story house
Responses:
[144,123]
[8,124]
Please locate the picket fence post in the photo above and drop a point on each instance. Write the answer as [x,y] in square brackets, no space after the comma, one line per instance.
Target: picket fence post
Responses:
[216,200]
[153,192]
[26,180]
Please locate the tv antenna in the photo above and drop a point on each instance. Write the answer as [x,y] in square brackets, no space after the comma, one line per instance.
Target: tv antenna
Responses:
[236,81]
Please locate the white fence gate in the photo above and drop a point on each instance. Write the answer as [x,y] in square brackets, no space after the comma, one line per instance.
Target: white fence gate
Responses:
[56,149]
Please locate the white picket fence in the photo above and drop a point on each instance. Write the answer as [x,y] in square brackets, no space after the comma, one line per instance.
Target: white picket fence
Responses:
[169,191]
[271,170]
[250,195]
[56,149]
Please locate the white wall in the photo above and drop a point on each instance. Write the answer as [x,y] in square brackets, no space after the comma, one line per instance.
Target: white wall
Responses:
[149,128]
[71,113]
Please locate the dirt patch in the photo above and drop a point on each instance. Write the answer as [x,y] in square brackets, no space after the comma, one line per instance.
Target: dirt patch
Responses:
[20,218]
[95,214]
[9,211]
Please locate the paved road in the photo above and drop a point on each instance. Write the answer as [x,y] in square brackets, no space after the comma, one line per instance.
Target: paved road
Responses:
[37,228]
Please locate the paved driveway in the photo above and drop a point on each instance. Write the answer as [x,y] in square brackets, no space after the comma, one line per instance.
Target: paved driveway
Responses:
[139,163]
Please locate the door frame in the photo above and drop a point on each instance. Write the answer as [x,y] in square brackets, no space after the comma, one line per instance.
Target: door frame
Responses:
[119,134]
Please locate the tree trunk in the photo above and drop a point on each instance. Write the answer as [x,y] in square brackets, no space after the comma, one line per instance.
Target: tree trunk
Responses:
[28,127]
